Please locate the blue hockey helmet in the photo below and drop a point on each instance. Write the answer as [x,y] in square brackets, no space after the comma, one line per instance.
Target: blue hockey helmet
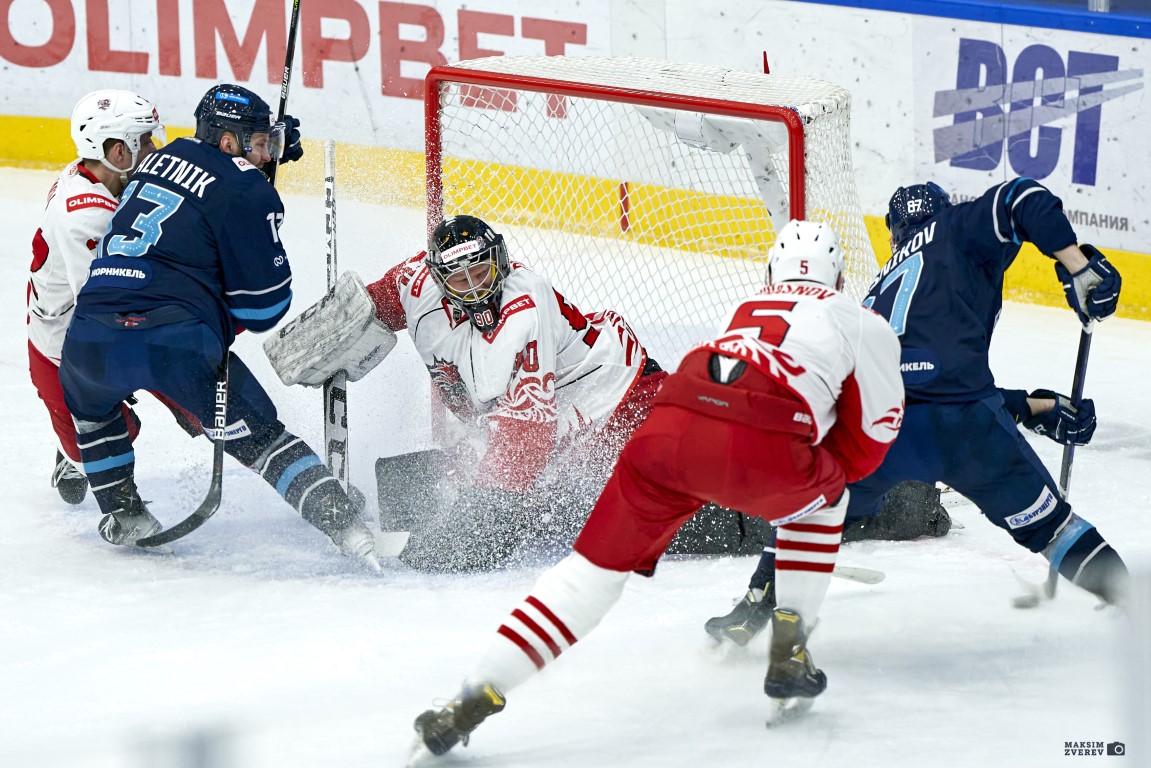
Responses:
[912,206]
[469,261]
[236,110]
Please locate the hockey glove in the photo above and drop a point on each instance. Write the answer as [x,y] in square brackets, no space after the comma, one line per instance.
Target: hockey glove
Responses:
[1093,292]
[1064,423]
[293,150]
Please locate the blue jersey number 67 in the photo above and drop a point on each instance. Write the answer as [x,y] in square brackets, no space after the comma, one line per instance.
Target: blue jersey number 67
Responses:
[907,274]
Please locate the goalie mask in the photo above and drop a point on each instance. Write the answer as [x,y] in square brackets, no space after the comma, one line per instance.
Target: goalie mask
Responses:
[911,207]
[469,262]
[806,250]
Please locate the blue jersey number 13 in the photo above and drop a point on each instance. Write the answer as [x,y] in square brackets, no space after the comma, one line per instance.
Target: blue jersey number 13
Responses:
[150,225]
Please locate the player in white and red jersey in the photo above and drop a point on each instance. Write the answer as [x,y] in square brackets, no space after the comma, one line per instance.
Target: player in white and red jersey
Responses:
[799,395]
[113,132]
[538,386]
[509,354]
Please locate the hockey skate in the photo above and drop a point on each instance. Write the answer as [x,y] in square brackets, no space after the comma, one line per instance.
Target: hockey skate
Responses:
[792,681]
[68,481]
[357,542]
[438,730]
[746,620]
[131,520]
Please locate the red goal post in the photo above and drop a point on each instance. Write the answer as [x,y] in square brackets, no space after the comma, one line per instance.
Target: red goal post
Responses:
[648,187]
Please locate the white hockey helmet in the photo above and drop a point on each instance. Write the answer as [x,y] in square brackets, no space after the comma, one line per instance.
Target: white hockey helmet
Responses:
[806,250]
[110,114]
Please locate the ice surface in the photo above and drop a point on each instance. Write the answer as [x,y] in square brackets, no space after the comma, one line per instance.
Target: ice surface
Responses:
[255,636]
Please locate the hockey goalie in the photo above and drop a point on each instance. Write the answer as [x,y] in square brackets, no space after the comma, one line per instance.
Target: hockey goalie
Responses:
[542,396]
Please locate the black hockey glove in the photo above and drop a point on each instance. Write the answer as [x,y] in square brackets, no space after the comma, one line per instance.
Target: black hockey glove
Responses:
[1065,424]
[293,150]
[1093,292]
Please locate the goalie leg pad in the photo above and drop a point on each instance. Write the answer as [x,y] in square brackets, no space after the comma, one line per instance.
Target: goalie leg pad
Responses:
[339,333]
[408,488]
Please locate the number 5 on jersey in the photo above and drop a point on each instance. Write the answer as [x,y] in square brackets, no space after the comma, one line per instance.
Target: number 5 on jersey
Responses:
[766,316]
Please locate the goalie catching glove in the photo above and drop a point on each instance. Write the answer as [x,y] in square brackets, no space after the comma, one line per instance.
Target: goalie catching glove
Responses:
[1093,292]
[339,333]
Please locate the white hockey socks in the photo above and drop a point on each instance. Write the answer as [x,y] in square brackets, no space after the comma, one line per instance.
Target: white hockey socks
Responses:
[805,557]
[567,603]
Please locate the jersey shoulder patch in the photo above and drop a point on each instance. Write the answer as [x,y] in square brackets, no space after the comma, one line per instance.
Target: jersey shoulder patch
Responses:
[88,200]
[516,305]
[244,165]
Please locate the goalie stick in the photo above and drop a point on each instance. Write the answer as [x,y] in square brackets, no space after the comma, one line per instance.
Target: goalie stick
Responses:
[1035,593]
[211,501]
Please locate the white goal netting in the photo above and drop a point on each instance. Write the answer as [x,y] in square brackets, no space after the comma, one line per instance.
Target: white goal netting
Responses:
[647,187]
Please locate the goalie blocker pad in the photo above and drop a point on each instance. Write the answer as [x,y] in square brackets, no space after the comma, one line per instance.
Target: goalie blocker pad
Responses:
[338,333]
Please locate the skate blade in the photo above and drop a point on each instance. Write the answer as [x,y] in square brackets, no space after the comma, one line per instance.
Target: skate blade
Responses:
[391,543]
[160,549]
[729,638]
[783,711]
[418,753]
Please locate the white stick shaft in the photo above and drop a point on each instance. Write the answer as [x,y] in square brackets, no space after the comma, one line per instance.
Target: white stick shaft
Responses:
[330,210]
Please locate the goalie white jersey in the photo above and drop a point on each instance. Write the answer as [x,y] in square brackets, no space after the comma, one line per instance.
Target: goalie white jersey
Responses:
[839,358]
[546,372]
[78,210]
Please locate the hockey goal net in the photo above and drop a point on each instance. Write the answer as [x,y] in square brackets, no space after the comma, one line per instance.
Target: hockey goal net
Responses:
[647,187]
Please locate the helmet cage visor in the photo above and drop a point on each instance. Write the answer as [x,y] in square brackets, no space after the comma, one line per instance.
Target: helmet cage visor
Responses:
[469,274]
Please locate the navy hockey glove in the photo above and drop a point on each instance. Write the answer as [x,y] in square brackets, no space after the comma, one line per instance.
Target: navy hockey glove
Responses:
[1064,423]
[293,150]
[1093,292]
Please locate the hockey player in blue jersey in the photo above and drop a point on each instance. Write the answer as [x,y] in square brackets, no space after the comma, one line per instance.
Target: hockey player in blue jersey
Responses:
[191,255]
[942,292]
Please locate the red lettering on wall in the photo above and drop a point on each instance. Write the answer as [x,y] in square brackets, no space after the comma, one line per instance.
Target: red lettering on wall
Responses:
[49,54]
[318,49]
[394,49]
[168,35]
[472,24]
[101,57]
[266,24]
[557,35]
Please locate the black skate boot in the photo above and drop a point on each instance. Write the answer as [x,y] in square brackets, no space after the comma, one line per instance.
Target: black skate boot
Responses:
[68,481]
[131,520]
[746,620]
[793,680]
[442,729]
[329,509]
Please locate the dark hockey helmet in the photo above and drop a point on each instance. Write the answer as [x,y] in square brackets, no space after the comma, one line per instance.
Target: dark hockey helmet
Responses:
[234,109]
[469,262]
[911,206]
